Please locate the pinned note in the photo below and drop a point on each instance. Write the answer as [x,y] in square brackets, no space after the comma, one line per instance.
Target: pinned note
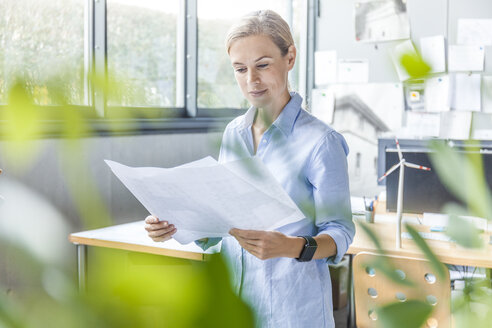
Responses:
[422,124]
[353,71]
[325,63]
[433,51]
[475,31]
[455,125]
[487,93]
[437,94]
[466,58]
[323,104]
[466,94]
[401,49]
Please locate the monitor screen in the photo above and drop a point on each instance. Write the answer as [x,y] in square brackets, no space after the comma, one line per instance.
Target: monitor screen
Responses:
[423,190]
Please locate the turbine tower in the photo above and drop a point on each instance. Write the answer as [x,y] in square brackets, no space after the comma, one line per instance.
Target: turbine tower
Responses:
[399,203]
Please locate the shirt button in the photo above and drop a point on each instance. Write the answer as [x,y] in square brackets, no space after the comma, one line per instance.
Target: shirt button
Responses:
[264,141]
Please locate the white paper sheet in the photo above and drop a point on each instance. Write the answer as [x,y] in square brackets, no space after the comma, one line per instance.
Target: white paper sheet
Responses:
[433,51]
[422,124]
[487,93]
[325,67]
[455,125]
[437,94]
[401,49]
[381,20]
[466,92]
[475,31]
[442,220]
[204,200]
[353,71]
[323,104]
[481,126]
[466,58]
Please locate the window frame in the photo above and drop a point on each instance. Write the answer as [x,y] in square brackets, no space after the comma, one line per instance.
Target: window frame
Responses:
[186,117]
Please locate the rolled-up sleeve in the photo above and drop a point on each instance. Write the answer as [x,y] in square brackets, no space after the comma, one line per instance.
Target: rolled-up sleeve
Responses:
[206,243]
[327,172]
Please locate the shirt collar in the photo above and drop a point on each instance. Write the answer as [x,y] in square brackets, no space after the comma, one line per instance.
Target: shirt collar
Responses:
[285,121]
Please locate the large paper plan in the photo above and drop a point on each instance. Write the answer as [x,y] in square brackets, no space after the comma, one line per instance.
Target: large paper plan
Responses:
[206,199]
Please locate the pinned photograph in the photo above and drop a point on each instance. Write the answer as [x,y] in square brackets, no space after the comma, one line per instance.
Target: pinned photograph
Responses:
[381,21]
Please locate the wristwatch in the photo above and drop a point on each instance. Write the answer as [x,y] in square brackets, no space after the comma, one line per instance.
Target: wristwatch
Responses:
[308,250]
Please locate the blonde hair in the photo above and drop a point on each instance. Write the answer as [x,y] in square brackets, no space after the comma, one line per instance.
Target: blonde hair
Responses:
[262,22]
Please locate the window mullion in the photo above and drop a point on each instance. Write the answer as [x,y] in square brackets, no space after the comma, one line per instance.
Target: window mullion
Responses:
[310,41]
[100,55]
[191,62]
[88,51]
[181,55]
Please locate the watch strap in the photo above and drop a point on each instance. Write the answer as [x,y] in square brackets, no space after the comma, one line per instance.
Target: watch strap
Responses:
[309,249]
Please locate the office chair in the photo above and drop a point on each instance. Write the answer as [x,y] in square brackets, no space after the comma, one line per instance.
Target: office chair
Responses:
[372,289]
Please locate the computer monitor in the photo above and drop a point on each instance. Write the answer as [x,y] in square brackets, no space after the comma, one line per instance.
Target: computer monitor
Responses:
[423,190]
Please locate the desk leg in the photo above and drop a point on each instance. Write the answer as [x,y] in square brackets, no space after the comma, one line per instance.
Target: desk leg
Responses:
[351,303]
[82,266]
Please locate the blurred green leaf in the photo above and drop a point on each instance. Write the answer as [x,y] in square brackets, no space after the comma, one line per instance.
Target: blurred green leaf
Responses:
[463,176]
[462,231]
[383,262]
[429,254]
[368,231]
[415,65]
[409,314]
[21,116]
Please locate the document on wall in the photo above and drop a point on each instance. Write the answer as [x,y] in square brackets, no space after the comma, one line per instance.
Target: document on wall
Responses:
[397,53]
[433,51]
[466,92]
[325,64]
[475,31]
[206,199]
[323,104]
[455,125]
[437,94]
[377,21]
[353,71]
[423,124]
[466,58]
[487,93]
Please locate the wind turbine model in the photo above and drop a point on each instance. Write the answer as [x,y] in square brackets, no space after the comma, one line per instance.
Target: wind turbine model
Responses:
[399,203]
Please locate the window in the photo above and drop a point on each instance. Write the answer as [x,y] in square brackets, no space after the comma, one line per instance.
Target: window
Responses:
[142,47]
[216,84]
[42,43]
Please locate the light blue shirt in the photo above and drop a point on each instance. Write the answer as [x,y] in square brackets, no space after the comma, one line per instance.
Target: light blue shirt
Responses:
[308,158]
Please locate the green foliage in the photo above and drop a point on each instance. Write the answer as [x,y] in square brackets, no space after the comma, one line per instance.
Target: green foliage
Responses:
[383,263]
[414,65]
[460,230]
[429,254]
[409,314]
[463,175]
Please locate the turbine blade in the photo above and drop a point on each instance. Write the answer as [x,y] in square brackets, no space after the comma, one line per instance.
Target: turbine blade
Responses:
[415,166]
[394,167]
[398,148]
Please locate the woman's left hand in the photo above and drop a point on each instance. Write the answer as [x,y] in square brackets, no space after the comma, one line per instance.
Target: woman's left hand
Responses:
[268,244]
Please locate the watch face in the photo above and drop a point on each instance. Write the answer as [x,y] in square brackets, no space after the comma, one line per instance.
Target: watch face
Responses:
[307,253]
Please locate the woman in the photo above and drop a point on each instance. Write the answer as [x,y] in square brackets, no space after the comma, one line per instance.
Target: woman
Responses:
[283,274]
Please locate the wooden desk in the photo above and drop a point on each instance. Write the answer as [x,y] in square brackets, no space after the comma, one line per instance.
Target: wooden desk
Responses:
[385,229]
[447,252]
[131,237]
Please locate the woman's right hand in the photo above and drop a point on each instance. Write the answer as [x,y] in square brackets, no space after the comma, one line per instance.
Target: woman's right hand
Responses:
[159,230]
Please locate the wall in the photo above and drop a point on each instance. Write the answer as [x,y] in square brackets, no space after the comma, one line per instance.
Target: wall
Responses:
[48,176]
[335,30]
